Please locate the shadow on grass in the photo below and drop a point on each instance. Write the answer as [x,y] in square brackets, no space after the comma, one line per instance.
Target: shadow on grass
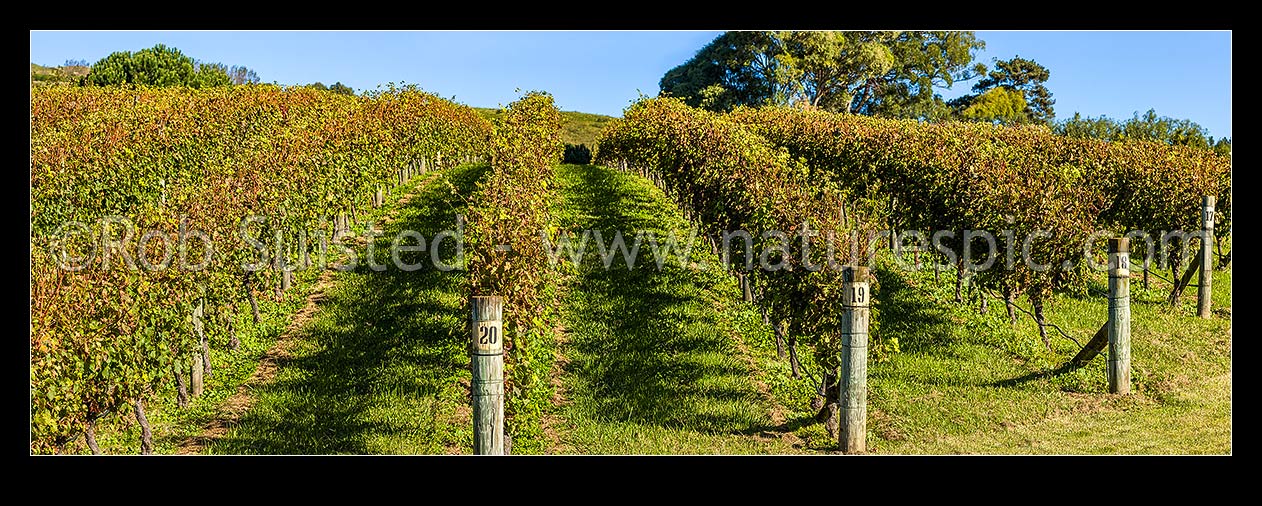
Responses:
[377,369]
[1034,376]
[928,328]
[646,345]
[920,324]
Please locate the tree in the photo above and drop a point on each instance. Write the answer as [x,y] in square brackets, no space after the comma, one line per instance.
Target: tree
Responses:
[337,87]
[156,66]
[211,74]
[736,68]
[875,73]
[826,69]
[1176,132]
[243,75]
[343,89]
[997,105]
[1026,76]
[923,61]
[1098,128]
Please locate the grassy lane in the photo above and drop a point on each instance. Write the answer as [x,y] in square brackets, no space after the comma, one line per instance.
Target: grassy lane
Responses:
[381,365]
[184,430]
[972,383]
[671,361]
[657,362]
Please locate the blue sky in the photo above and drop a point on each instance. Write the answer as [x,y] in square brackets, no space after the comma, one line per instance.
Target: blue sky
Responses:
[1180,74]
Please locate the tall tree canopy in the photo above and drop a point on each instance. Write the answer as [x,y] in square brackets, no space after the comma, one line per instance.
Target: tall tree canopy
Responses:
[1000,105]
[883,73]
[337,87]
[1020,75]
[736,68]
[1149,126]
[243,75]
[164,66]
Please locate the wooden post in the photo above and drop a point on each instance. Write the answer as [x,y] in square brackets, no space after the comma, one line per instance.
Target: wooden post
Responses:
[1093,347]
[198,330]
[486,348]
[890,223]
[1119,326]
[853,398]
[197,374]
[1205,291]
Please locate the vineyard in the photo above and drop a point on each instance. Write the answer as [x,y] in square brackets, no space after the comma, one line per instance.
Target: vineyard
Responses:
[207,276]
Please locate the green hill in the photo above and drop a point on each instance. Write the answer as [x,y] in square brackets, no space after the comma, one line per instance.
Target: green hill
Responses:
[576,127]
[57,75]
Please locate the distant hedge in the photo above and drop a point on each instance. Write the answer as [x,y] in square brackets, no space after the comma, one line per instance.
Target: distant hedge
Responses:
[579,154]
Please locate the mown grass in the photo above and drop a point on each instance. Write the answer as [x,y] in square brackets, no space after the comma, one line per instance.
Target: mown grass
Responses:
[967,382]
[653,365]
[651,373]
[673,362]
[310,412]
[380,367]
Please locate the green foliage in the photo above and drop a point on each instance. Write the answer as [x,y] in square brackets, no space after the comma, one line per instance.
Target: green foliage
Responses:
[1149,127]
[1153,196]
[342,89]
[211,75]
[729,178]
[820,67]
[338,87]
[997,105]
[576,127]
[972,176]
[579,154]
[158,66]
[175,157]
[1015,75]
[735,68]
[924,60]
[512,209]
[885,73]
[162,66]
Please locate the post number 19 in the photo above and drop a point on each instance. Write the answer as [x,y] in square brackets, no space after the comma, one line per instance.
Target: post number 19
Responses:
[859,294]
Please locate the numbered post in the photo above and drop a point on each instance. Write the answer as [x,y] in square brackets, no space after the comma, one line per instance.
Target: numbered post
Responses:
[1205,290]
[1119,369]
[487,361]
[853,397]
